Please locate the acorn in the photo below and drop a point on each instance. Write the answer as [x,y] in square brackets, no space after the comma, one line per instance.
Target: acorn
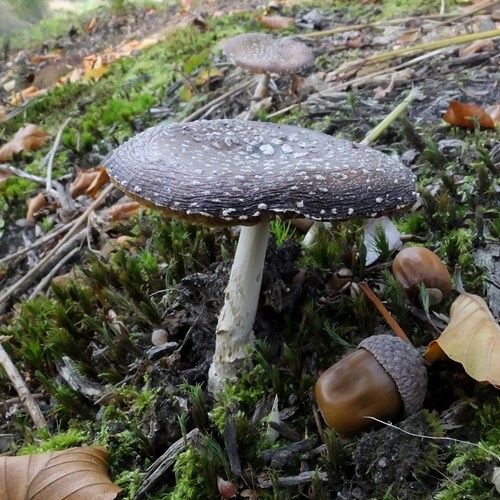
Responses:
[413,266]
[385,378]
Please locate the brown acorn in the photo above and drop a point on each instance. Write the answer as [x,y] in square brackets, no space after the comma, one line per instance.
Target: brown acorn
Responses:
[413,266]
[385,378]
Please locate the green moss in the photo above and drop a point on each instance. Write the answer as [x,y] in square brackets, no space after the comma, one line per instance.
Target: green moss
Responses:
[45,442]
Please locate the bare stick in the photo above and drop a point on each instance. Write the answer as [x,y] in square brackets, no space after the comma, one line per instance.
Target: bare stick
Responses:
[375,133]
[50,259]
[52,154]
[21,387]
[436,438]
[383,311]
[234,91]
[53,271]
[40,241]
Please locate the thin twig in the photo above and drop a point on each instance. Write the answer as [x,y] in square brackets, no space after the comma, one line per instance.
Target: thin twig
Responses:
[374,134]
[230,93]
[53,271]
[50,259]
[450,17]
[40,241]
[52,154]
[383,311]
[21,387]
[435,438]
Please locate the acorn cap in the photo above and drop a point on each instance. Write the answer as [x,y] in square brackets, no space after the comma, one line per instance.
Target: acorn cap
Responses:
[264,53]
[404,364]
[232,172]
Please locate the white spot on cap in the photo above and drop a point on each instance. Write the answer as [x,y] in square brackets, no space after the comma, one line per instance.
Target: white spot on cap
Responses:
[267,149]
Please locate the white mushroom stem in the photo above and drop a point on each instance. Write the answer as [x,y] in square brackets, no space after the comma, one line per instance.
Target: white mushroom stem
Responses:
[234,333]
[262,86]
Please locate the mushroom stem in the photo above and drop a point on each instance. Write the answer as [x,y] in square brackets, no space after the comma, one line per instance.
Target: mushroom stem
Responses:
[262,86]
[234,333]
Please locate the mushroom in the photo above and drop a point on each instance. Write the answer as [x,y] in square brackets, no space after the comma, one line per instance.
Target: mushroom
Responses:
[264,53]
[235,172]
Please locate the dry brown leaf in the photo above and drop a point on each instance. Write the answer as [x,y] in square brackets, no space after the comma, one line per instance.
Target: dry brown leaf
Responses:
[74,474]
[26,95]
[88,181]
[27,138]
[34,205]
[464,115]
[473,338]
[99,181]
[122,211]
[277,22]
[477,46]
[494,112]
[94,74]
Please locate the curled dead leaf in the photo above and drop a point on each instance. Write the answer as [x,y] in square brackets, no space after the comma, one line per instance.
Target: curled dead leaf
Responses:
[472,338]
[123,211]
[27,138]
[486,45]
[76,474]
[35,204]
[465,114]
[88,181]
[277,22]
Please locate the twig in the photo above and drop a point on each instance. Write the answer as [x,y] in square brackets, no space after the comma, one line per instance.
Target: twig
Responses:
[374,134]
[53,271]
[21,173]
[21,387]
[422,47]
[435,438]
[383,311]
[50,259]
[40,241]
[450,17]
[52,154]
[232,92]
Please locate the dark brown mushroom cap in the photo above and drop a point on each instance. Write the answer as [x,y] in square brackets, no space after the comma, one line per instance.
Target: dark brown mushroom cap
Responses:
[263,53]
[230,172]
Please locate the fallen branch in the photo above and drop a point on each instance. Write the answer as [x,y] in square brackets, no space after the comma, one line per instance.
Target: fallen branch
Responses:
[56,253]
[21,387]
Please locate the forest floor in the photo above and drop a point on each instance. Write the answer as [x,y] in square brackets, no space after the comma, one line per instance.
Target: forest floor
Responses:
[109,311]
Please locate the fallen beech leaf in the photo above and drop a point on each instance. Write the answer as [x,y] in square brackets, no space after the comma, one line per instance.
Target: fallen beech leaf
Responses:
[277,22]
[123,211]
[35,204]
[380,92]
[94,74]
[91,24]
[88,181]
[494,112]
[207,75]
[99,180]
[473,338]
[26,95]
[74,474]
[477,46]
[27,138]
[434,352]
[463,115]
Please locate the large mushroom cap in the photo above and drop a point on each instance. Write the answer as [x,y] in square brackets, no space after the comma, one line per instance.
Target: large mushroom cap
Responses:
[261,52]
[230,172]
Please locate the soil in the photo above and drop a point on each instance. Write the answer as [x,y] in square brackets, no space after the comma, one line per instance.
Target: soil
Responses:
[383,463]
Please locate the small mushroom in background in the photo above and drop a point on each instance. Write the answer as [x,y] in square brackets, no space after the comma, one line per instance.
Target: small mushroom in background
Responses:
[266,54]
[241,173]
